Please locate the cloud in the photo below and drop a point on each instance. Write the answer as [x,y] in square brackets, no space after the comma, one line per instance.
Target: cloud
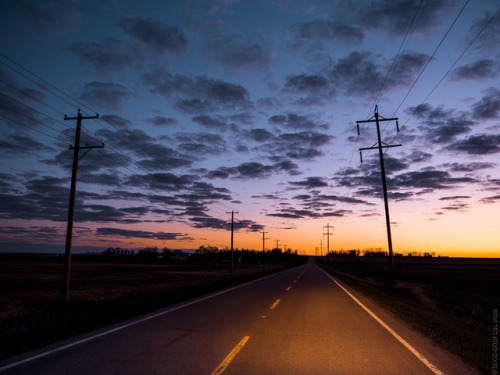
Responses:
[489,106]
[481,144]
[228,47]
[259,135]
[455,197]
[492,199]
[480,69]
[105,95]
[395,17]
[440,125]
[295,121]
[326,30]
[361,74]
[254,170]
[14,145]
[116,121]
[200,94]
[310,182]
[154,34]
[162,121]
[468,167]
[216,123]
[140,234]
[51,18]
[107,57]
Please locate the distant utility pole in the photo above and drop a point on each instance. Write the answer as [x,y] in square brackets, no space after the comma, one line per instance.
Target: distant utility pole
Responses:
[71,211]
[277,244]
[380,146]
[327,234]
[232,229]
[264,250]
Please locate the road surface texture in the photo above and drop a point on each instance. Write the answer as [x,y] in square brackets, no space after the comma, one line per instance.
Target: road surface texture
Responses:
[299,321]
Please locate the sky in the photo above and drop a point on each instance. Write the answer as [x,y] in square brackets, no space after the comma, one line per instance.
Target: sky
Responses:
[210,107]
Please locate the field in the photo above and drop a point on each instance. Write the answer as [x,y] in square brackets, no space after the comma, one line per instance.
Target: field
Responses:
[101,293]
[451,300]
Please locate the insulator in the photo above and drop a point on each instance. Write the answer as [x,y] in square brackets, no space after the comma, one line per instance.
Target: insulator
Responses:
[361,157]
[357,125]
[397,125]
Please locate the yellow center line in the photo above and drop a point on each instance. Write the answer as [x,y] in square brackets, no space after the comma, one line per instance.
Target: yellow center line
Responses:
[230,357]
[275,304]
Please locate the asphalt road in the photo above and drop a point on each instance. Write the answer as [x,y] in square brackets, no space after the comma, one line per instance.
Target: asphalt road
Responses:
[299,321]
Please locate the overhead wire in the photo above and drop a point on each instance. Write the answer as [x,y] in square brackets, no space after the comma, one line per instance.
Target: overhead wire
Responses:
[84,129]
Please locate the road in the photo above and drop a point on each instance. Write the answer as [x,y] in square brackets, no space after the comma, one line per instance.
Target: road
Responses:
[299,321]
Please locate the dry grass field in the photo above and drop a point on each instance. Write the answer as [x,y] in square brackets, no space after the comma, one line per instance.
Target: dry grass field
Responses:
[101,293]
[451,300]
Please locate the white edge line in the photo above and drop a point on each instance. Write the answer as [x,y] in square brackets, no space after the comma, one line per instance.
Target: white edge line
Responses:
[64,347]
[424,360]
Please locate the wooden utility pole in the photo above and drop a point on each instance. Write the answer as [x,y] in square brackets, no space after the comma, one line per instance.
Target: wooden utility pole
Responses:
[327,234]
[380,146]
[71,210]
[264,250]
[232,229]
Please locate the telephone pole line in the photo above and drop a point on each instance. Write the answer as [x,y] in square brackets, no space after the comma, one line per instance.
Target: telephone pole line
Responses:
[71,210]
[277,244]
[232,229]
[328,234]
[264,250]
[377,119]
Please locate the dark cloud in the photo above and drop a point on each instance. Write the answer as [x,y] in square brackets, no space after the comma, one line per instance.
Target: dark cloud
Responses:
[480,69]
[295,121]
[139,234]
[116,121]
[254,170]
[51,18]
[440,125]
[468,167]
[14,145]
[455,197]
[310,182]
[326,30]
[199,144]
[395,17]
[492,199]
[489,106]
[162,181]
[481,144]
[260,135]
[361,74]
[216,123]
[154,34]
[200,94]
[315,86]
[109,56]
[105,95]
[227,47]
[162,121]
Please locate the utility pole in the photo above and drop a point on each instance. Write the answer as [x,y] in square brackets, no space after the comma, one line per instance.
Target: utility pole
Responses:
[232,229]
[264,250]
[328,234]
[277,244]
[321,249]
[380,146]
[71,210]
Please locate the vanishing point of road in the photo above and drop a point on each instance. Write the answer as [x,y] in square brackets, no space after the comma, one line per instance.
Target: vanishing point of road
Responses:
[298,321]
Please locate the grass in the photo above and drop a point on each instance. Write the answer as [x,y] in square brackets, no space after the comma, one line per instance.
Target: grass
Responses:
[31,314]
[449,300]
